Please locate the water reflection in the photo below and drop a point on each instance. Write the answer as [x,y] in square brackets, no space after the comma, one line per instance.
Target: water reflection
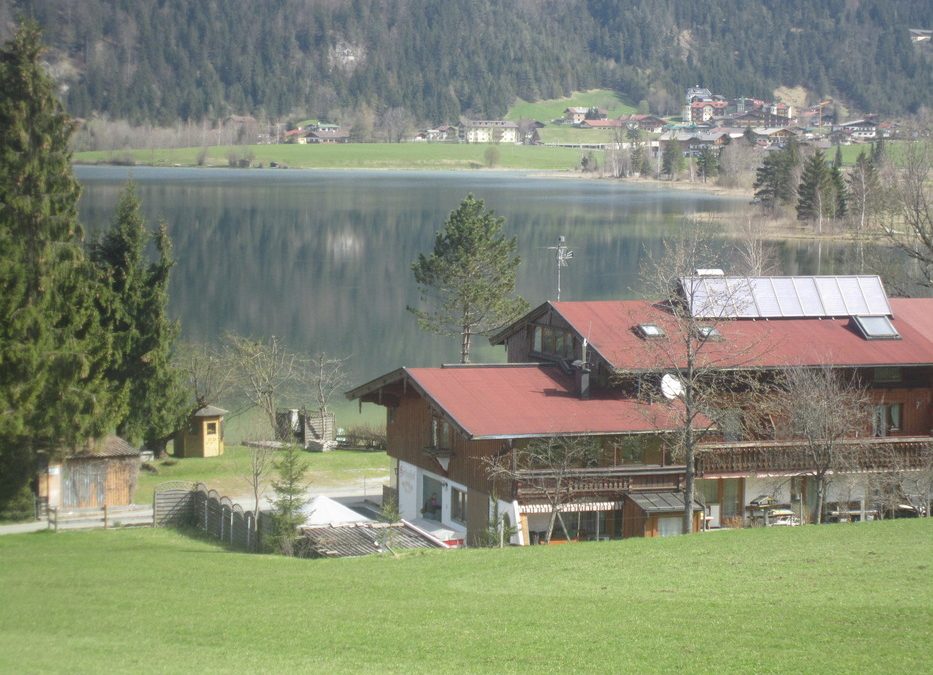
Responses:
[322,258]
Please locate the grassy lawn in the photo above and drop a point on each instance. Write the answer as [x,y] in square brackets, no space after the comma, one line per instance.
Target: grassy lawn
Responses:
[425,156]
[226,473]
[545,111]
[846,598]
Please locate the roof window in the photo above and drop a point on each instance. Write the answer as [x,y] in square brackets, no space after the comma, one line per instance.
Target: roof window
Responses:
[876,328]
[708,333]
[649,330]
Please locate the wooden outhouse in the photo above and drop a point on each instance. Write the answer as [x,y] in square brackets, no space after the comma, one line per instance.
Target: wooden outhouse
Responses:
[656,514]
[102,473]
[204,434]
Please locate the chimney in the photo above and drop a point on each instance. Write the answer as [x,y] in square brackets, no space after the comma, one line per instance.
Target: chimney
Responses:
[582,377]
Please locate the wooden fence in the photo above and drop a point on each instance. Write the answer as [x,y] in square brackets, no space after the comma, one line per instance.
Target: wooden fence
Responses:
[181,504]
[105,516]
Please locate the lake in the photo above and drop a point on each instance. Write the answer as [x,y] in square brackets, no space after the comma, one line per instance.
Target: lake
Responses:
[323,259]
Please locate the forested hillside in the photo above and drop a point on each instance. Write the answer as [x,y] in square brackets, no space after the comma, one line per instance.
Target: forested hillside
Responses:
[173,60]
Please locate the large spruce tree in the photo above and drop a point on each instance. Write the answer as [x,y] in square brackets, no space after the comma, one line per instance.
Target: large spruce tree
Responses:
[816,195]
[469,278]
[53,392]
[134,311]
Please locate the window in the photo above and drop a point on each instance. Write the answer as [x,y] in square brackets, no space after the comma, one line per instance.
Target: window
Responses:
[888,375]
[212,428]
[649,330]
[553,342]
[708,333]
[876,328]
[458,506]
[886,419]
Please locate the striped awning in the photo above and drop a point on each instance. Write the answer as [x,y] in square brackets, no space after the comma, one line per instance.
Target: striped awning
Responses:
[572,507]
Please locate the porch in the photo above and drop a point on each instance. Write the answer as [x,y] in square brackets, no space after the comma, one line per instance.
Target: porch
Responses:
[790,457]
[599,483]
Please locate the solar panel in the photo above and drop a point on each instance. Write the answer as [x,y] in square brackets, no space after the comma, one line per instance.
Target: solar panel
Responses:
[785,297]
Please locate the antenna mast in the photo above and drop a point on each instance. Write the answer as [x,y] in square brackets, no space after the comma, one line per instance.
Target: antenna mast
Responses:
[563,255]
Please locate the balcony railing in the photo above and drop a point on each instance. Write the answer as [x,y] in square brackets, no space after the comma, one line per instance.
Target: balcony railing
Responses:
[864,454]
[599,482]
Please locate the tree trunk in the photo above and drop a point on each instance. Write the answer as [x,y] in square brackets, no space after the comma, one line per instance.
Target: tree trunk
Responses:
[465,345]
[820,494]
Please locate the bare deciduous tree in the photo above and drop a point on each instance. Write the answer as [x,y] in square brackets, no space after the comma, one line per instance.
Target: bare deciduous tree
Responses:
[824,412]
[210,374]
[547,466]
[711,387]
[267,370]
[910,226]
[256,473]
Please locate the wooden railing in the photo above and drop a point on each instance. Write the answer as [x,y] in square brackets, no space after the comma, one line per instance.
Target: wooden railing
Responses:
[599,482]
[864,454]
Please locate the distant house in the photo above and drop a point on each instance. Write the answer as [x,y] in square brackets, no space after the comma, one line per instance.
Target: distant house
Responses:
[649,123]
[575,115]
[602,124]
[102,473]
[920,36]
[327,135]
[863,129]
[488,131]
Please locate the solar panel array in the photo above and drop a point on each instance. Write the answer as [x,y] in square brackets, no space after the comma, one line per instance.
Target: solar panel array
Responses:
[717,297]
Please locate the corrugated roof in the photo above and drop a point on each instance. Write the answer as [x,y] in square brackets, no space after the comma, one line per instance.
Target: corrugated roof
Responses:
[661,502]
[330,541]
[751,343]
[532,400]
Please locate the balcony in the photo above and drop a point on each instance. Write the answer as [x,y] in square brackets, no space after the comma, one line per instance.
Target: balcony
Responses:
[599,482]
[789,457]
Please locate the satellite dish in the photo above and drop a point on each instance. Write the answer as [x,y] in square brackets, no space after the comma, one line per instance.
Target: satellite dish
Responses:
[671,387]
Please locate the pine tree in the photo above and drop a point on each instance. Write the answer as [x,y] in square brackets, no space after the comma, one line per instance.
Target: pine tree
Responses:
[774,179]
[290,490]
[816,197]
[469,278]
[708,162]
[53,352]
[864,189]
[134,311]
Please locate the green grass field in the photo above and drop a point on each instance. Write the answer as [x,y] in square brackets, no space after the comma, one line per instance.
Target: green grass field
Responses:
[226,473]
[425,156]
[545,111]
[835,598]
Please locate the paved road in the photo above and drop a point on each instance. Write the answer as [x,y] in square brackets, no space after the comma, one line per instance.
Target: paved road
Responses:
[22,528]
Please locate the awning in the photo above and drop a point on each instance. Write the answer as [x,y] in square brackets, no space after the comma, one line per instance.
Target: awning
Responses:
[572,507]
[661,502]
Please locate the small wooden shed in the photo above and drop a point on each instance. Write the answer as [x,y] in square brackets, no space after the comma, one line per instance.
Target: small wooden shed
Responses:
[102,473]
[204,434]
[656,514]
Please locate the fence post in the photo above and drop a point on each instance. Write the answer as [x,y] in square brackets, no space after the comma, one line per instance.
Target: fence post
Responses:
[105,516]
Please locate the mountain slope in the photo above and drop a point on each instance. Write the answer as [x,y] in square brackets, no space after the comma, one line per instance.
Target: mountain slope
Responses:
[162,61]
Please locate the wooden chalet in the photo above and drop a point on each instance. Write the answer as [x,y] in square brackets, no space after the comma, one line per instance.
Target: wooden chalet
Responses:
[576,370]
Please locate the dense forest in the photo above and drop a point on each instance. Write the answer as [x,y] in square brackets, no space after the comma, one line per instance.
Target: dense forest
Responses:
[169,60]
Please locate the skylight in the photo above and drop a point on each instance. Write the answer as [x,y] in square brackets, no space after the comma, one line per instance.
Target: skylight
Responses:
[650,330]
[876,328]
[709,333]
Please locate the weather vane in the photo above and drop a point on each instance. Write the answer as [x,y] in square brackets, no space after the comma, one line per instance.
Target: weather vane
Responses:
[563,255]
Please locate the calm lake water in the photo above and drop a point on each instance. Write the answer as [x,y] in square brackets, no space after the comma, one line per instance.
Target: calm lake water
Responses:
[322,258]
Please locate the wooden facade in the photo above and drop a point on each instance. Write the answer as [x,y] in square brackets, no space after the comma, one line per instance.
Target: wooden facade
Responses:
[203,436]
[104,473]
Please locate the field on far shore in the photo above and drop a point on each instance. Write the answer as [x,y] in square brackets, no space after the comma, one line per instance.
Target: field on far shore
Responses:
[835,598]
[420,156]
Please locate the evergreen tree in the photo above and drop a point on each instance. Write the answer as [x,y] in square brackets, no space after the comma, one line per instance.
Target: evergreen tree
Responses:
[469,278]
[53,352]
[671,159]
[816,195]
[290,490]
[774,179]
[708,162]
[134,311]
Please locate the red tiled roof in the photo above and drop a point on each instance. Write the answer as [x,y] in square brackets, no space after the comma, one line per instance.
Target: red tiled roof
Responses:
[532,400]
[747,343]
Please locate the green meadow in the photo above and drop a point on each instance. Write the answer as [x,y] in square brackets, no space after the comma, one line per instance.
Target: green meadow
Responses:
[551,109]
[227,473]
[814,599]
[417,156]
